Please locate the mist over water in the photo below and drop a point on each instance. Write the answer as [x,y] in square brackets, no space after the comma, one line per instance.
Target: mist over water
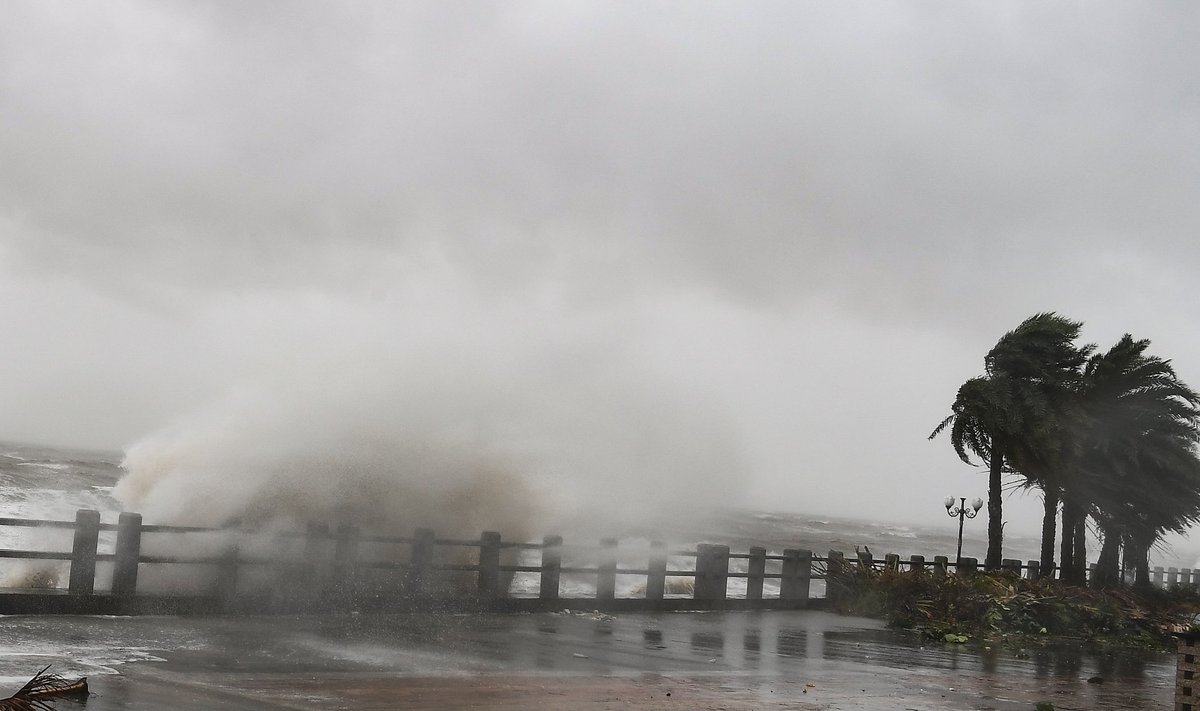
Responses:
[407,422]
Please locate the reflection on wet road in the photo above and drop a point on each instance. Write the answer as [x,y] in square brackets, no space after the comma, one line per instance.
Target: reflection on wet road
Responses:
[754,659]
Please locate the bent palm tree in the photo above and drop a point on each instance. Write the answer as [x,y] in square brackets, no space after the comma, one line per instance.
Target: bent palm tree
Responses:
[1138,461]
[1041,364]
[1111,436]
[1015,415]
[982,423]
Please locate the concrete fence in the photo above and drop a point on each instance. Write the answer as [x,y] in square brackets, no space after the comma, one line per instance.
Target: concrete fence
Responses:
[133,568]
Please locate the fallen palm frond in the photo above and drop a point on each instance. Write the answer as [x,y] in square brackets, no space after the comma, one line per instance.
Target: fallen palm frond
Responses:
[40,692]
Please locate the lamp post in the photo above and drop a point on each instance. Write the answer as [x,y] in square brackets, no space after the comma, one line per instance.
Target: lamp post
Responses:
[962,512]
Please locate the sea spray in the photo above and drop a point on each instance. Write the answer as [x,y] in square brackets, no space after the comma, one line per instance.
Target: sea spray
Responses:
[520,438]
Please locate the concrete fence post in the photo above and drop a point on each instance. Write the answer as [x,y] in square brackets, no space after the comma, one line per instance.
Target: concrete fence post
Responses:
[656,577]
[489,565]
[940,565]
[968,566]
[700,583]
[720,571]
[1187,672]
[865,561]
[420,562]
[1156,576]
[835,571]
[712,572]
[83,552]
[312,570]
[128,550]
[916,563]
[756,567]
[1033,569]
[606,571]
[803,578]
[345,552]
[1185,577]
[891,562]
[225,588]
[551,567]
[1172,576]
[796,574]
[1011,565]
[788,574]
[315,536]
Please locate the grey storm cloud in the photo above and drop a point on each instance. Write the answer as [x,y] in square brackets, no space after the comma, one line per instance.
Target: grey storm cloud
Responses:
[784,215]
[769,150]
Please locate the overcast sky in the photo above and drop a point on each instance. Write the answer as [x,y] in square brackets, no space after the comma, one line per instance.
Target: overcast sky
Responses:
[790,228]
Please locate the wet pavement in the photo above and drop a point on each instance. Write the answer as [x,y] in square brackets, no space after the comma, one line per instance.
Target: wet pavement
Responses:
[567,661]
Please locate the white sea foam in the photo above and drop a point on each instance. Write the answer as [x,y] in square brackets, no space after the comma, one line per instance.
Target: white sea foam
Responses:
[416,661]
[46,504]
[53,504]
[52,466]
[80,659]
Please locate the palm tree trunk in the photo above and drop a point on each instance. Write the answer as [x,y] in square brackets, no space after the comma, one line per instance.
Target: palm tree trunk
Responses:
[1141,564]
[1080,550]
[1108,565]
[1127,562]
[995,515]
[1066,550]
[1050,506]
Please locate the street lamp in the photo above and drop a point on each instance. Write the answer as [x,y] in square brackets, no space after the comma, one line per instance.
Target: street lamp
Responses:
[962,512]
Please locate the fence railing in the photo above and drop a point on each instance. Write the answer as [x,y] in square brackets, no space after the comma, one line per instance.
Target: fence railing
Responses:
[320,568]
[1031,570]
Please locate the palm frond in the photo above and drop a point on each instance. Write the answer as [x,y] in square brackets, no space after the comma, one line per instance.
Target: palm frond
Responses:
[40,692]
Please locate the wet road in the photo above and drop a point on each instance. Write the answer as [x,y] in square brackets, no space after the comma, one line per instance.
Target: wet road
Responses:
[755,660]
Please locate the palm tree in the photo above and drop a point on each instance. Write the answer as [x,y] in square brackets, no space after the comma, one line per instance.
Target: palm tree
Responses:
[1168,500]
[1110,436]
[1137,463]
[983,420]
[1014,416]
[1041,365]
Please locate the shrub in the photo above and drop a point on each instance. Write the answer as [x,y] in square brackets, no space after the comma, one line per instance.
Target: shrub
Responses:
[999,604]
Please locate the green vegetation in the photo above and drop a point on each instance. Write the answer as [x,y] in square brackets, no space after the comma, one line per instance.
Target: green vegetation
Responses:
[1107,437]
[1006,608]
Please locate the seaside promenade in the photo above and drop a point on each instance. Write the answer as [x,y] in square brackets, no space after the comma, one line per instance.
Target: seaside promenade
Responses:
[567,661]
[367,621]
